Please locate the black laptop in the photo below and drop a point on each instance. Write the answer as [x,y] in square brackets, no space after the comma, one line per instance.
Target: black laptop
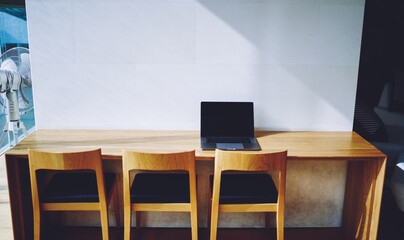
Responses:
[228,125]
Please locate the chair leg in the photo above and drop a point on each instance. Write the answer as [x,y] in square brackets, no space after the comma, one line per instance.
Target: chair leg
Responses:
[116,208]
[58,219]
[213,224]
[127,222]
[37,224]
[127,206]
[104,221]
[194,222]
[279,225]
[138,214]
[209,210]
[209,215]
[267,220]
[194,205]
[215,205]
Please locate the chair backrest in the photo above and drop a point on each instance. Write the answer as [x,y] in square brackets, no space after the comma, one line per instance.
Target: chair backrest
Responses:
[132,160]
[250,161]
[158,161]
[86,160]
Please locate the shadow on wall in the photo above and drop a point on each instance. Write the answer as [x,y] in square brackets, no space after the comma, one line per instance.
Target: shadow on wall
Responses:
[303,54]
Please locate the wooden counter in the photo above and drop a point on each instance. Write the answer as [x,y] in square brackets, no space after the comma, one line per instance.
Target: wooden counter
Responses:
[364,183]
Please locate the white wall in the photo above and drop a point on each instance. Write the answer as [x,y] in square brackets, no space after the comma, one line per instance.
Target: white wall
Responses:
[133,64]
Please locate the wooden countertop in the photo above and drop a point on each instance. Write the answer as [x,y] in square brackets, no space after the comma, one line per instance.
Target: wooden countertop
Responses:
[300,145]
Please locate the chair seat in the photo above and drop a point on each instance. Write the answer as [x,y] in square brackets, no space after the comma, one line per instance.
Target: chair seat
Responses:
[246,189]
[160,188]
[75,187]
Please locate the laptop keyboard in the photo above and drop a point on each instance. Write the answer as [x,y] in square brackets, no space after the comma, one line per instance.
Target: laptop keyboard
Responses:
[229,140]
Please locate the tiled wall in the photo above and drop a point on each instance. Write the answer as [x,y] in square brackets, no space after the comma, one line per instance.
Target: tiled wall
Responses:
[148,64]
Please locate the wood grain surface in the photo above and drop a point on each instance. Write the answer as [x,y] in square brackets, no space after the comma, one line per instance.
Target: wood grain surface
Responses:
[307,145]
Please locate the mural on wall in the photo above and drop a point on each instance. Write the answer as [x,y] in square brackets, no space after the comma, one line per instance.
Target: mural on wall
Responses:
[16,100]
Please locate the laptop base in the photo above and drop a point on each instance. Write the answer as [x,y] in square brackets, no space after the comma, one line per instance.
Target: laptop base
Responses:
[253,146]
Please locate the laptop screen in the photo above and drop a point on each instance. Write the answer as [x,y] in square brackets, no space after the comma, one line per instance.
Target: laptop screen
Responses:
[227,119]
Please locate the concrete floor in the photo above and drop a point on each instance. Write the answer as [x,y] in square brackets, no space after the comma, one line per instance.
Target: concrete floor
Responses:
[5,216]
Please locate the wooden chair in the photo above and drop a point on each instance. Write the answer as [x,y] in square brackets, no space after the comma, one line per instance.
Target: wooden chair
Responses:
[248,192]
[72,190]
[159,191]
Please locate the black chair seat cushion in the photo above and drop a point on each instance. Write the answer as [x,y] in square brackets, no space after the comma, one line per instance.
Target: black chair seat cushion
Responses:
[246,188]
[75,187]
[160,188]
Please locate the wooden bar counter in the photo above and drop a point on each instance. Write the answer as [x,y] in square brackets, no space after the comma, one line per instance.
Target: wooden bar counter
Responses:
[364,174]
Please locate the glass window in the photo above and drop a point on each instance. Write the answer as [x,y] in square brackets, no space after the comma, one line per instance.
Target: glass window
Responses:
[16,100]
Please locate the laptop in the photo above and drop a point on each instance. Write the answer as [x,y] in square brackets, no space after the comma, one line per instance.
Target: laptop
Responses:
[228,126]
